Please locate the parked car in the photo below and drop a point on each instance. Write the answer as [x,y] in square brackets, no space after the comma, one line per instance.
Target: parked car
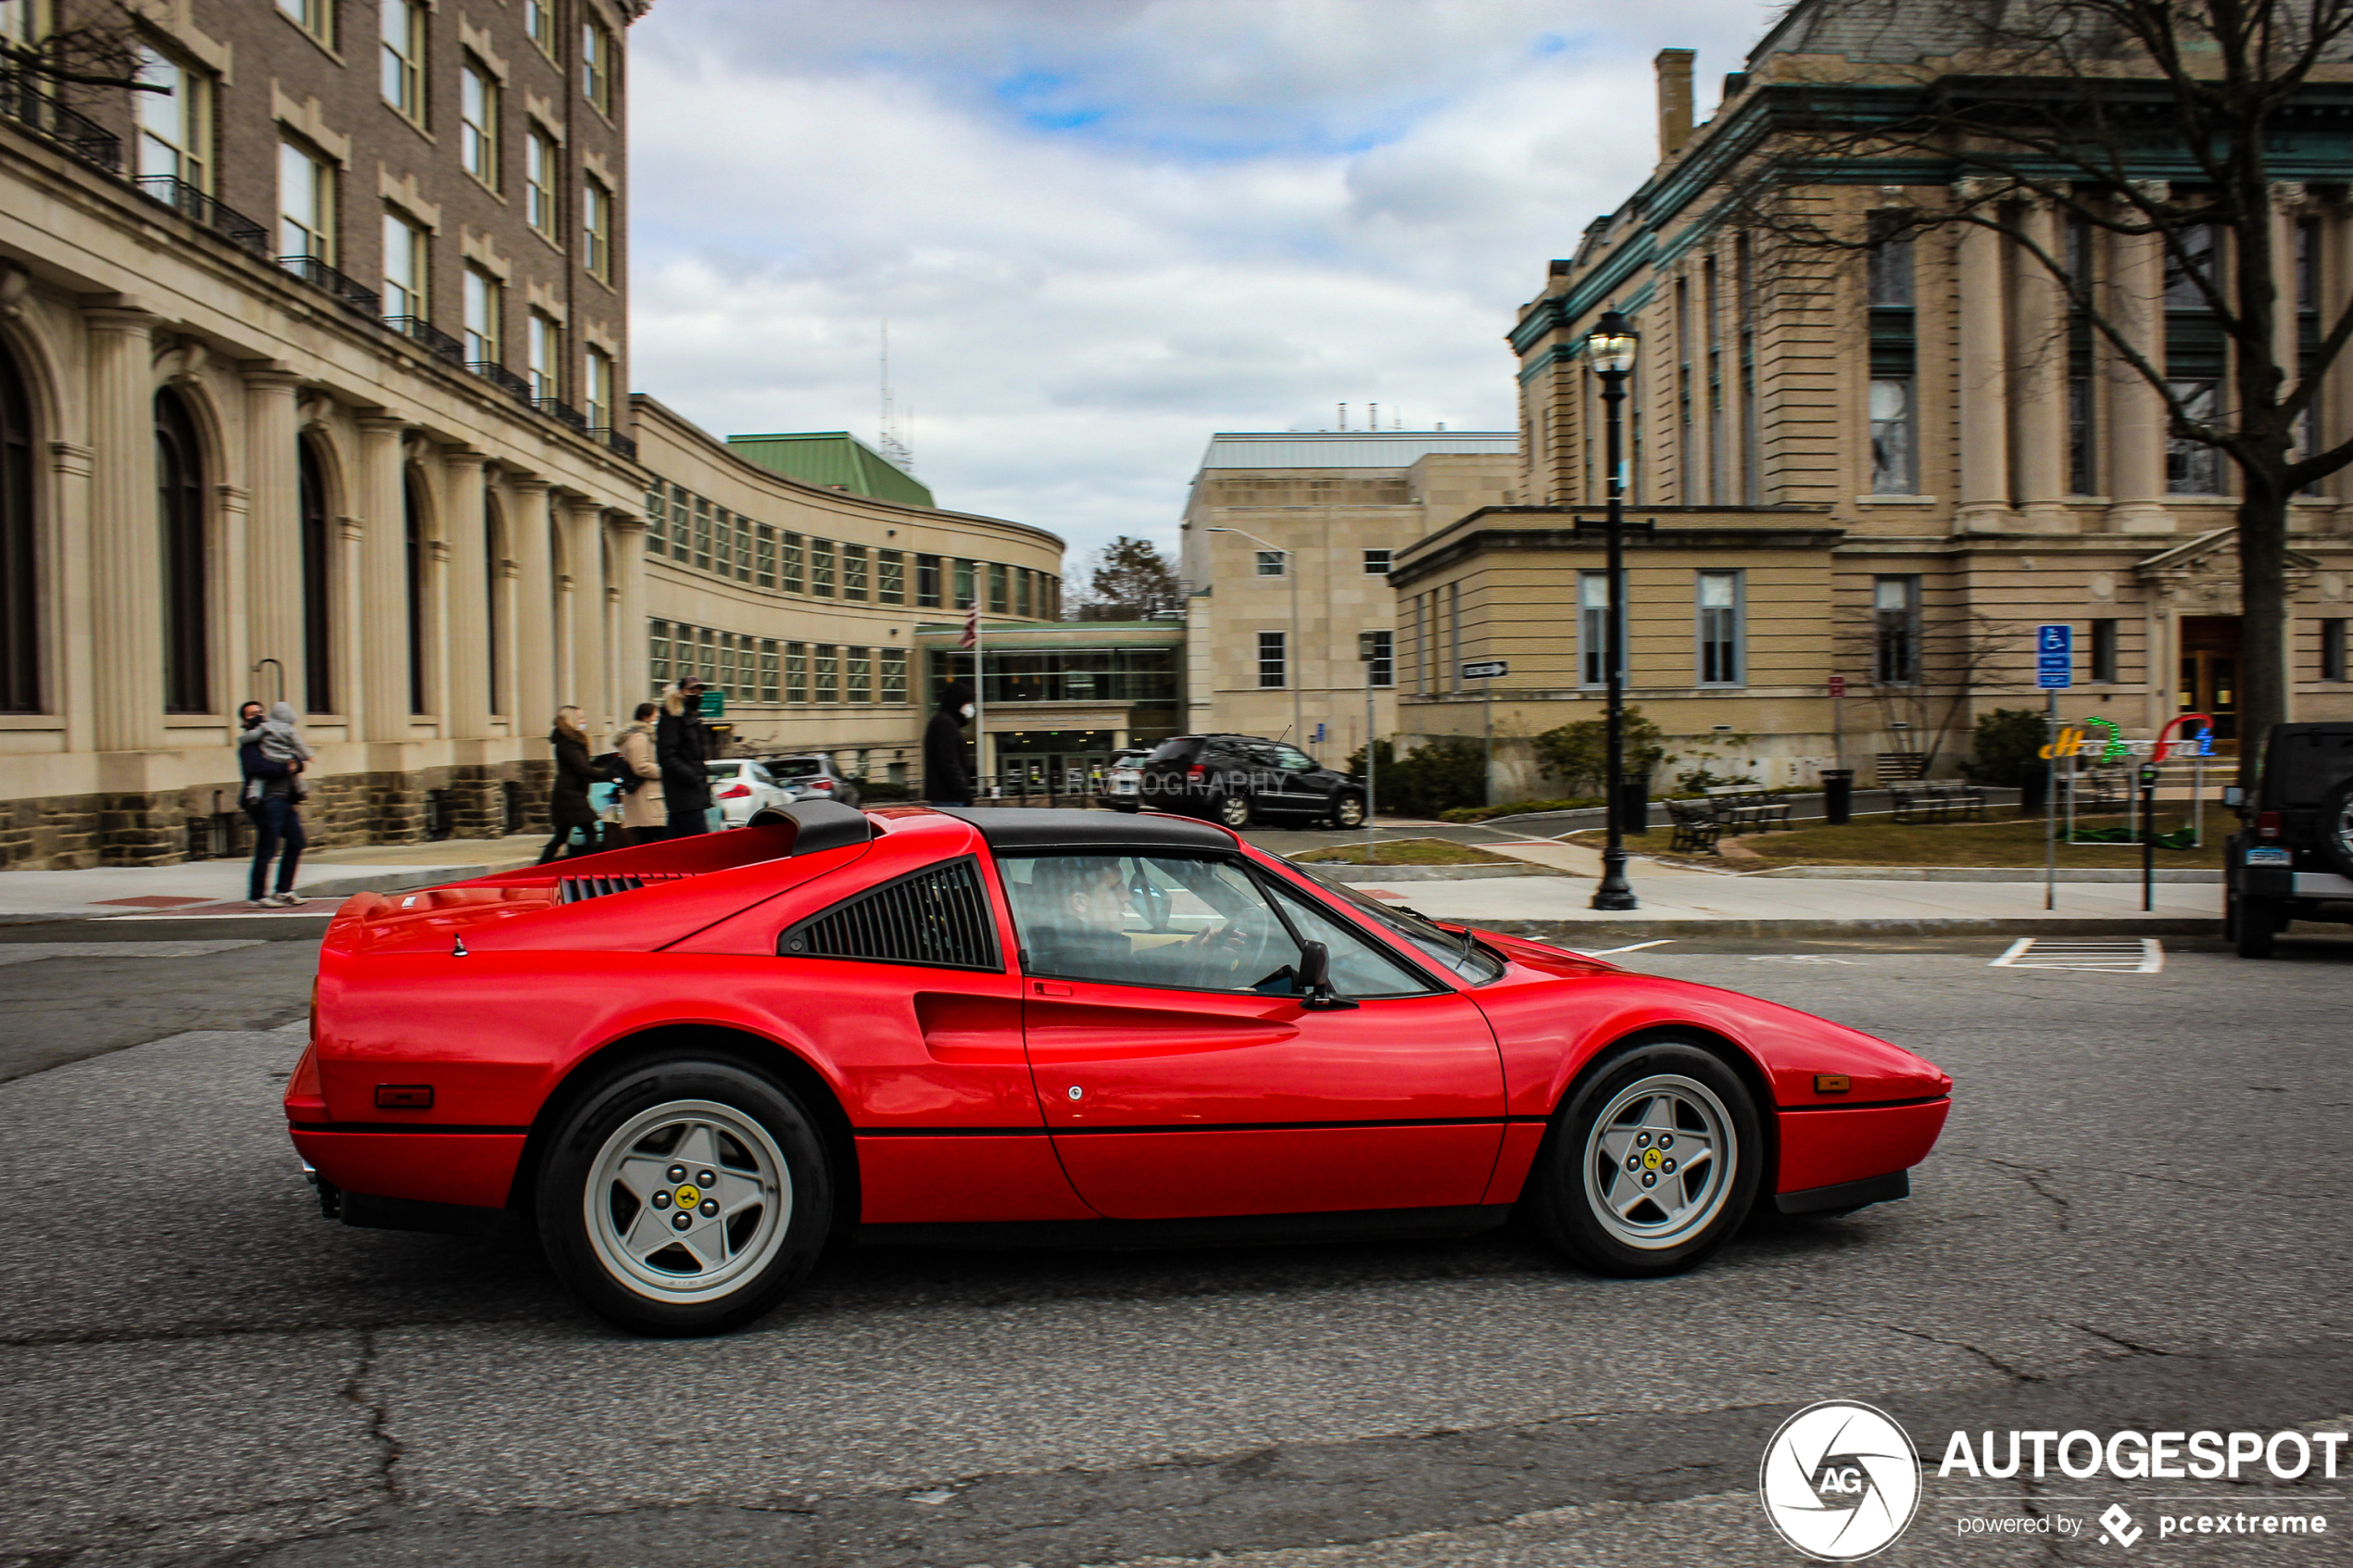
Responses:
[696,1063]
[1238,779]
[812,776]
[2292,858]
[742,788]
[1123,780]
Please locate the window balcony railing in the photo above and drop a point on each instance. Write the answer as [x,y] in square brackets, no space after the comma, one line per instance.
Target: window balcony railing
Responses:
[501,377]
[614,439]
[192,203]
[317,273]
[432,338]
[44,116]
[563,412]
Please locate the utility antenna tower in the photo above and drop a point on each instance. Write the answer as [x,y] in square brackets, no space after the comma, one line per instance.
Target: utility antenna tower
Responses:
[891,442]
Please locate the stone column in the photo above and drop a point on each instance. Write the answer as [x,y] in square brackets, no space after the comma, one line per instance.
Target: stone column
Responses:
[126,561]
[1984,379]
[467,716]
[2136,417]
[535,685]
[67,539]
[2040,384]
[383,573]
[630,678]
[274,528]
[584,602]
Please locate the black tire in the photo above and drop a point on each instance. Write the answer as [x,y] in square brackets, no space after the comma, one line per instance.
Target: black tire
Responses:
[1347,812]
[2336,828]
[1562,1192]
[2253,923]
[776,1255]
[1233,810]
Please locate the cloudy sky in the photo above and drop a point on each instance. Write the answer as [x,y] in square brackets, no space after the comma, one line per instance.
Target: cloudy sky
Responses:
[1102,229]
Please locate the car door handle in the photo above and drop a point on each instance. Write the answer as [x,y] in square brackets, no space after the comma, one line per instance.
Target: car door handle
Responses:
[1044,989]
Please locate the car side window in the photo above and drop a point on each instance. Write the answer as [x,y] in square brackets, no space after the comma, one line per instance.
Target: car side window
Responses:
[1358,969]
[1172,922]
[1295,760]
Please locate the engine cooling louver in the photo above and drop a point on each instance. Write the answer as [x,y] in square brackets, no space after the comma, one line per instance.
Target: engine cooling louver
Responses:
[574,889]
[938,917]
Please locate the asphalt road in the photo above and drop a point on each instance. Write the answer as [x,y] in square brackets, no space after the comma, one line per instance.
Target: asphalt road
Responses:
[2137,1218]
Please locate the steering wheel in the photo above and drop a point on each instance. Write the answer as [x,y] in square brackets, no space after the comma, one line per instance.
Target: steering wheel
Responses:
[1230,949]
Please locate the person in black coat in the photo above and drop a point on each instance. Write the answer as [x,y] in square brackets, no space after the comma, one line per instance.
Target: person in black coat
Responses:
[568,804]
[945,781]
[682,746]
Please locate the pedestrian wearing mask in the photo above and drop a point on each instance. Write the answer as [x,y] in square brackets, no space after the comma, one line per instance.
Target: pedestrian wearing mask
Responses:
[681,747]
[643,815]
[568,805]
[945,781]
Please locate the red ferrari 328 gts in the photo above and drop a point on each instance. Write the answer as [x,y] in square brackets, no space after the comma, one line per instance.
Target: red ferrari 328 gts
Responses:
[695,1063]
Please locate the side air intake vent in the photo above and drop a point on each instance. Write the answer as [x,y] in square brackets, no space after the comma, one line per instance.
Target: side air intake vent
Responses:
[574,889]
[937,918]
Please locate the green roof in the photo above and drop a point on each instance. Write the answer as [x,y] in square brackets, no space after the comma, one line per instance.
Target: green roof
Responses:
[833,459]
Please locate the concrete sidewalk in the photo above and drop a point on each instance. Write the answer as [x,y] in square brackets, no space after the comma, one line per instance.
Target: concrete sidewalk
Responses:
[327,877]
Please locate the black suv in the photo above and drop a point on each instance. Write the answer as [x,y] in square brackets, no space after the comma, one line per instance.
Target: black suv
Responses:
[1239,780]
[2293,859]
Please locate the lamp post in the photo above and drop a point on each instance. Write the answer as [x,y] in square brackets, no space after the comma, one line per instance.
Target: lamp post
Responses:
[1610,349]
[1294,666]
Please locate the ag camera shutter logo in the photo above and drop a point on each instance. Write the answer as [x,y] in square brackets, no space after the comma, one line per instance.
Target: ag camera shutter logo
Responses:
[1839,1481]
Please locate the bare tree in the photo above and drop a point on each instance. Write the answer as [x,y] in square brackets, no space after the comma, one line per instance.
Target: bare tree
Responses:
[2100,109]
[1929,675]
[95,43]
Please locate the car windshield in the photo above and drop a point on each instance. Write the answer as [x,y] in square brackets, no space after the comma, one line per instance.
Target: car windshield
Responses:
[796,767]
[724,769]
[1457,951]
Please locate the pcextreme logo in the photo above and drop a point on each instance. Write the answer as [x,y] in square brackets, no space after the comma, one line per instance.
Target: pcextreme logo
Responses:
[1839,1481]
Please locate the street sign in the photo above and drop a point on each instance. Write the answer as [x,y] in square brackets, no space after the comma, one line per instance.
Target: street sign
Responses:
[1486,669]
[714,703]
[1838,685]
[1319,735]
[2055,657]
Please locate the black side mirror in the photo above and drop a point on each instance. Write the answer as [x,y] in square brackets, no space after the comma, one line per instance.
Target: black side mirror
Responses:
[1315,979]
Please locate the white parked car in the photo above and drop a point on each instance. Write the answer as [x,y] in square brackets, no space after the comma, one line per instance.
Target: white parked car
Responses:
[813,776]
[740,786]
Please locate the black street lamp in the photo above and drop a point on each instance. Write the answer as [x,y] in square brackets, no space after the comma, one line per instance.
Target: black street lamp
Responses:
[1610,347]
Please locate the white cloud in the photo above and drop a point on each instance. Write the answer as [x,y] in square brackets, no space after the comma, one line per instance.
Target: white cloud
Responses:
[1102,229]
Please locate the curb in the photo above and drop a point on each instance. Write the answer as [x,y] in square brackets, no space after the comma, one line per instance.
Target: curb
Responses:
[1560,932]
[1985,873]
[1351,871]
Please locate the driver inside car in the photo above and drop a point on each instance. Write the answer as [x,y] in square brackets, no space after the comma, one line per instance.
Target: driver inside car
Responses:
[1076,922]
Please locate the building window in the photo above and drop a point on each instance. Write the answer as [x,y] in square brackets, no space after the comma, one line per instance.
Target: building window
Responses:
[1894,361]
[316,17]
[2196,356]
[706,664]
[890,577]
[742,549]
[1270,563]
[796,672]
[681,513]
[1895,627]
[858,668]
[483,311]
[305,204]
[999,601]
[595,66]
[596,230]
[1379,651]
[657,518]
[2104,661]
[1021,592]
[539,21]
[1377,562]
[927,582]
[318,556]
[828,672]
[175,125]
[966,595]
[180,501]
[1720,662]
[413,559]
[702,533]
[657,653]
[1273,666]
[722,542]
[821,576]
[766,575]
[795,554]
[769,684]
[894,678]
[2333,650]
[404,56]
[1593,632]
[478,121]
[599,395]
[853,571]
[406,268]
[542,170]
[2082,455]
[2192,468]
[543,356]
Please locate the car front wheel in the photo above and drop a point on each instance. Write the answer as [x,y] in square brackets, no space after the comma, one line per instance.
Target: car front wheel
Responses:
[1348,812]
[684,1196]
[1652,1164]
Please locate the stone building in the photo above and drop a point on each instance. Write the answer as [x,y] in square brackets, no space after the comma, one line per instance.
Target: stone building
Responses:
[1324,513]
[1884,467]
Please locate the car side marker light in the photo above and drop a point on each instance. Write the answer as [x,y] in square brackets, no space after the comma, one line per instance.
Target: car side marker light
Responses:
[1830,1082]
[404,1096]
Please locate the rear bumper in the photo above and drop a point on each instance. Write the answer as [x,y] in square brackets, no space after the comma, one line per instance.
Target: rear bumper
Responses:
[467,1170]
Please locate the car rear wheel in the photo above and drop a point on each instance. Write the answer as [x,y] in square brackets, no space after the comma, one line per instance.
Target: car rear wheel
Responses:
[684,1196]
[1652,1164]
[1234,811]
[1348,812]
[2336,828]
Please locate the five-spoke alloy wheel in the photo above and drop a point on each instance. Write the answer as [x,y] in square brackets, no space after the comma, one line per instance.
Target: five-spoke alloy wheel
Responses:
[684,1196]
[1654,1162]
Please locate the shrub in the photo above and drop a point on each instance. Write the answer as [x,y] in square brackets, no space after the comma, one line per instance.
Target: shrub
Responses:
[2004,740]
[1447,772]
[1580,752]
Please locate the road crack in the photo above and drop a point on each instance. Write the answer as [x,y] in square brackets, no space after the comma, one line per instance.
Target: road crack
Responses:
[2033,1176]
[387,1447]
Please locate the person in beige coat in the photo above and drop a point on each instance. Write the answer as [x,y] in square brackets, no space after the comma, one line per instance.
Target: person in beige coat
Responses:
[642,811]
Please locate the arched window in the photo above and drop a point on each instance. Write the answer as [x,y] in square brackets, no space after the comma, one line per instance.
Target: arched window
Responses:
[179,511]
[318,558]
[494,569]
[415,578]
[19,607]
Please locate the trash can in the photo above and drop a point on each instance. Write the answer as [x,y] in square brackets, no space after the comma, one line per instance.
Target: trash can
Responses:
[2034,788]
[1838,796]
[1634,803]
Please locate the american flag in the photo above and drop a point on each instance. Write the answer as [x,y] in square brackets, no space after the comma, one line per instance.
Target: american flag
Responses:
[972,627]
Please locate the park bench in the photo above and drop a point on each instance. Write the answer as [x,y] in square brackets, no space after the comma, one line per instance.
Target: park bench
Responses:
[1935,802]
[1746,808]
[1696,826]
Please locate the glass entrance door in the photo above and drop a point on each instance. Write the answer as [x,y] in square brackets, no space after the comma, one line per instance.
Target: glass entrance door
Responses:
[2210,676]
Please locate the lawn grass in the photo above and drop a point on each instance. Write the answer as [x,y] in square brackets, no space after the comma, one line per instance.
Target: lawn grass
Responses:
[1408,852]
[2013,842]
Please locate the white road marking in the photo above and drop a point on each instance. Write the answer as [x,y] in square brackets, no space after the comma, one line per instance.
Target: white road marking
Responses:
[1799,958]
[2142,956]
[1632,948]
